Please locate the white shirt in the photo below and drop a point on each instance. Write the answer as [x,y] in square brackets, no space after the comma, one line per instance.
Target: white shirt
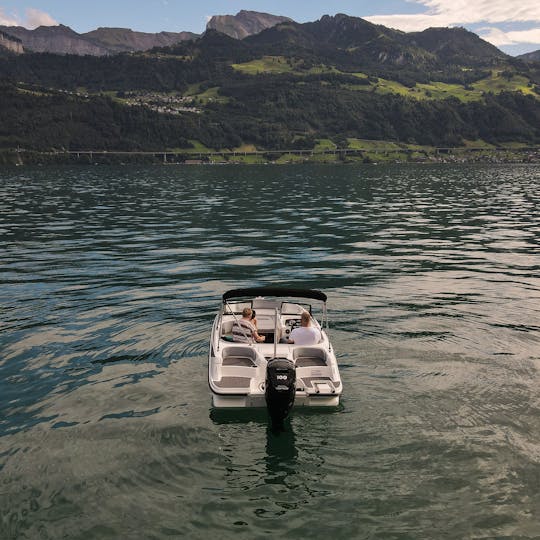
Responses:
[305,335]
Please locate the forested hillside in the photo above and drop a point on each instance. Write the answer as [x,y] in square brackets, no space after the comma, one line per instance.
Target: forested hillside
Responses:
[290,86]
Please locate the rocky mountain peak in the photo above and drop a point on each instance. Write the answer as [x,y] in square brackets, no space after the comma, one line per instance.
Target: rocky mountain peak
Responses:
[244,23]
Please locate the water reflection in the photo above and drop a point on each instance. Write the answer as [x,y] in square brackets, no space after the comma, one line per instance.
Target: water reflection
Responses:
[281,455]
[281,452]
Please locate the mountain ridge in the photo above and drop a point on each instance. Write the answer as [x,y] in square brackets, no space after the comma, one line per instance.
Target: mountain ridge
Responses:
[244,23]
[58,39]
[533,56]
[62,39]
[126,40]
[104,41]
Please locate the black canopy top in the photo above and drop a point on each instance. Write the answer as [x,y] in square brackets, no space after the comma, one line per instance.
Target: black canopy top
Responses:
[275,291]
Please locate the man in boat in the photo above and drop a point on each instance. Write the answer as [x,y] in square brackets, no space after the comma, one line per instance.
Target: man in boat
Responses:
[244,330]
[305,334]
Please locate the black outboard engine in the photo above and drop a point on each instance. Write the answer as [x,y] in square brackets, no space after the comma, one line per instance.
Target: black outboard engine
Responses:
[280,389]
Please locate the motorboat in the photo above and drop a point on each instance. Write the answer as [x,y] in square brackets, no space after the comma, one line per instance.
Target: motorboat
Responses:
[277,373]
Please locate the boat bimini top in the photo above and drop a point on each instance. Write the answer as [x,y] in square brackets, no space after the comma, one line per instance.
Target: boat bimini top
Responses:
[279,292]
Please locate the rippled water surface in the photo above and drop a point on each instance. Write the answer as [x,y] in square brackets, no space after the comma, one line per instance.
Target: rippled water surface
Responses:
[110,278]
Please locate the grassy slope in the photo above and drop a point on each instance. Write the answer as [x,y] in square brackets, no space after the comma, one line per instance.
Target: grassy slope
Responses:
[495,83]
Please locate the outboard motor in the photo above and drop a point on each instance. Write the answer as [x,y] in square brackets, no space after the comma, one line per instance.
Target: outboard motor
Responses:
[280,389]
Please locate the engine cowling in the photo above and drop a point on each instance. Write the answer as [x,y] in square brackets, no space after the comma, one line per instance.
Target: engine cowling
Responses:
[280,389]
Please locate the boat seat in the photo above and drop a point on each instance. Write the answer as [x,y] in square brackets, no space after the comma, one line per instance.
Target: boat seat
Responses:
[226,327]
[310,361]
[239,355]
[309,356]
[242,361]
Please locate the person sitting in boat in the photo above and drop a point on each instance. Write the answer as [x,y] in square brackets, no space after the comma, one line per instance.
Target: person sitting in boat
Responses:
[244,331]
[253,319]
[305,334]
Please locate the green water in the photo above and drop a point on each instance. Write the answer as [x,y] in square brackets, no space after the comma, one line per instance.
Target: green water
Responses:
[111,277]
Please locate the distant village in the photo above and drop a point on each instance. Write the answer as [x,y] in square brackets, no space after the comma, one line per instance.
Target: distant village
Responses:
[161,103]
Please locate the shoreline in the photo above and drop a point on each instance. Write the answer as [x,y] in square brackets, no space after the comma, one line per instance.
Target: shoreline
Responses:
[485,155]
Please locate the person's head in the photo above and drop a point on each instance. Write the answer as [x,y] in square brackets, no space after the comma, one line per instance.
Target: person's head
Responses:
[305,318]
[246,313]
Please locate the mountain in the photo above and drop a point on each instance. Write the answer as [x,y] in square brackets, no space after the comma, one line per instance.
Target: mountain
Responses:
[530,57]
[456,45]
[11,43]
[244,23]
[126,40]
[103,41]
[55,39]
[355,42]
[348,42]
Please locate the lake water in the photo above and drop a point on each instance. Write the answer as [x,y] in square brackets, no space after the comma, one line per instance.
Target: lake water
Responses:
[111,277]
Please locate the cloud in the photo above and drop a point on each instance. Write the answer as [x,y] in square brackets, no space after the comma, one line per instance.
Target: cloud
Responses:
[32,19]
[499,38]
[6,20]
[36,18]
[462,12]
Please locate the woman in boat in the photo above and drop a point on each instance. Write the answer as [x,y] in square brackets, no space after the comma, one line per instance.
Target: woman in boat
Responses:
[244,331]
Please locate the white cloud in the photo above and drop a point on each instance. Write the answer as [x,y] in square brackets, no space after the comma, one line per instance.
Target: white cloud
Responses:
[462,12]
[7,20]
[32,19]
[499,38]
[35,18]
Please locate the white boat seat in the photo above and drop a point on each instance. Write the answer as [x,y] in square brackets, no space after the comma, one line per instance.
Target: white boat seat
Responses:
[226,327]
[310,361]
[309,356]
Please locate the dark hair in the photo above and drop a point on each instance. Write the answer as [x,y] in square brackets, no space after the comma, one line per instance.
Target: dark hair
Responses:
[253,314]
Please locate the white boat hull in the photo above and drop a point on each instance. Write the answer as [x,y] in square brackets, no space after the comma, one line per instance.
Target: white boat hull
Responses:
[301,400]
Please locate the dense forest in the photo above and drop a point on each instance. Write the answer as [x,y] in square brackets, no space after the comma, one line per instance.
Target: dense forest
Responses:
[309,89]
[270,116]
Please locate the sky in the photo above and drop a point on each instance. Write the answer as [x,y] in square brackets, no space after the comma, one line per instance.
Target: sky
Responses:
[511,25]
